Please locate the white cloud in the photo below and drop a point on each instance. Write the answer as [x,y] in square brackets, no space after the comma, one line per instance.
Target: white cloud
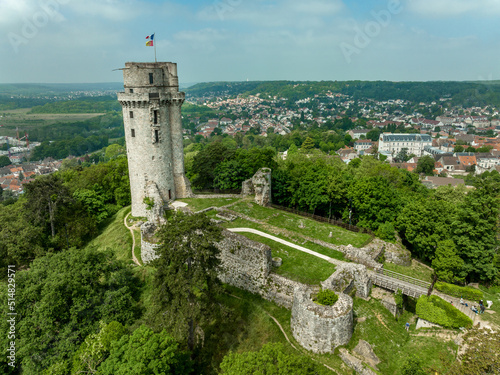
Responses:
[453,8]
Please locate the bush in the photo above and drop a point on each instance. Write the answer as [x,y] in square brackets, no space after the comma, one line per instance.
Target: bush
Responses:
[466,292]
[437,310]
[326,297]
[386,232]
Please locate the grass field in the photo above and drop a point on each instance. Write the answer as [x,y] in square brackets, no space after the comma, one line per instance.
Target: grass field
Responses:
[416,270]
[302,225]
[20,118]
[116,236]
[197,204]
[297,265]
[392,343]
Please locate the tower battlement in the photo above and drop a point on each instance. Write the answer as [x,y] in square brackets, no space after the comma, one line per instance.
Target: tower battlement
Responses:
[151,104]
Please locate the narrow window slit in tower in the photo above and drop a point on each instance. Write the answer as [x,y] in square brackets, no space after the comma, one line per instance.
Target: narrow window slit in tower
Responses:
[155,117]
[157,136]
[170,194]
[131,91]
[150,78]
[133,132]
[131,114]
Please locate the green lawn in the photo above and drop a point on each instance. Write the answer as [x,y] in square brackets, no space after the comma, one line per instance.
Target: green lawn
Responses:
[297,265]
[312,228]
[116,236]
[492,294]
[416,270]
[392,344]
[197,204]
[243,223]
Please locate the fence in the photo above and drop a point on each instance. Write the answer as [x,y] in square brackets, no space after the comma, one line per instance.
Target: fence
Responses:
[408,279]
[322,219]
[217,191]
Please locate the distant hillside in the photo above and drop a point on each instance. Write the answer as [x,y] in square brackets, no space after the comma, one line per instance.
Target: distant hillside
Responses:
[465,93]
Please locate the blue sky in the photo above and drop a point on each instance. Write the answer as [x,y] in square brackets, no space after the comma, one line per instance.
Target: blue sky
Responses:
[235,40]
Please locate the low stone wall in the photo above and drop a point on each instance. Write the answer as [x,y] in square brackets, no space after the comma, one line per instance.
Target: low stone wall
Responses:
[321,328]
[279,289]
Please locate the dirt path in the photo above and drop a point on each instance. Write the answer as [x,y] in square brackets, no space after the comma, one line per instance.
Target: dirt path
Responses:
[131,229]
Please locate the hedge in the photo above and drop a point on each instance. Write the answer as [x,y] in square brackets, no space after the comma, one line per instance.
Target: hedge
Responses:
[437,310]
[471,294]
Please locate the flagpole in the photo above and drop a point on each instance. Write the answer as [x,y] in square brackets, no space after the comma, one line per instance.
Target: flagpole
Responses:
[154,44]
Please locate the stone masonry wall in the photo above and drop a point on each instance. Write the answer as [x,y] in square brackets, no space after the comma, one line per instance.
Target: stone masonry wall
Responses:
[348,276]
[246,264]
[321,328]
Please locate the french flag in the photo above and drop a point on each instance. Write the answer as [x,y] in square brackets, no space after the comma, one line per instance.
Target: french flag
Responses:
[151,37]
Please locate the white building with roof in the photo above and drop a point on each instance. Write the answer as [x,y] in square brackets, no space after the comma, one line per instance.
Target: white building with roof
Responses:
[414,143]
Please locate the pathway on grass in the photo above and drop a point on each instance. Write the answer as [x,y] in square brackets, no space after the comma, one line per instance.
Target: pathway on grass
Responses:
[131,229]
[289,244]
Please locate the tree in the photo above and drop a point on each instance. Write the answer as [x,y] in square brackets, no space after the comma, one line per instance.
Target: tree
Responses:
[458,148]
[412,366]
[61,299]
[271,359]
[293,149]
[402,156]
[206,161]
[96,347]
[426,165]
[186,281]
[447,264]
[4,161]
[148,353]
[307,145]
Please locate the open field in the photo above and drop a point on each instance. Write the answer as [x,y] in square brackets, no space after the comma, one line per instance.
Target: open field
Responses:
[24,121]
[302,225]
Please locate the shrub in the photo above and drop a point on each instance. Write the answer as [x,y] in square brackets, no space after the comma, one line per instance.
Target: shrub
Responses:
[326,297]
[466,292]
[386,232]
[437,310]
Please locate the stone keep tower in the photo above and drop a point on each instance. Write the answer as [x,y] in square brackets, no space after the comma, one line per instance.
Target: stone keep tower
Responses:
[153,131]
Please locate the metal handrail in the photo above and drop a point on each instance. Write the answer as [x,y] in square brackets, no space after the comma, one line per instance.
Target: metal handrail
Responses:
[408,279]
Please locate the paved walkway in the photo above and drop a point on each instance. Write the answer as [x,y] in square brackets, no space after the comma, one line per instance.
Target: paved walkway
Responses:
[131,229]
[284,242]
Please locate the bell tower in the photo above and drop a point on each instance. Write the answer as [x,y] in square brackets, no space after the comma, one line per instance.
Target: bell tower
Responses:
[152,118]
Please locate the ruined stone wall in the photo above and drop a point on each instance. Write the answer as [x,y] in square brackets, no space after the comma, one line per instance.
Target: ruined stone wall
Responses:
[260,185]
[321,328]
[246,264]
[347,277]
[279,289]
[148,250]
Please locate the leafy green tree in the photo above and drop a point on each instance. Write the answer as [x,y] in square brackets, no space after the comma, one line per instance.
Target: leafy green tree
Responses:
[46,197]
[20,241]
[4,161]
[96,347]
[402,156]
[93,203]
[307,145]
[458,148]
[206,161]
[146,352]
[60,301]
[426,165]
[271,359]
[446,263]
[186,280]
[293,149]
[412,366]
[374,201]
[474,230]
